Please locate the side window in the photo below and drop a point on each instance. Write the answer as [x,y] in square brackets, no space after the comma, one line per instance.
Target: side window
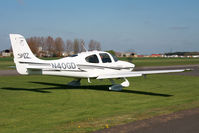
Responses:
[105,58]
[92,59]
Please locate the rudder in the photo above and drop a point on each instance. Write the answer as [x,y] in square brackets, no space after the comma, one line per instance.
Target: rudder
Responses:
[22,53]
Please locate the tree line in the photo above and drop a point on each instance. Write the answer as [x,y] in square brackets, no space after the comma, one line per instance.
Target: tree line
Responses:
[48,46]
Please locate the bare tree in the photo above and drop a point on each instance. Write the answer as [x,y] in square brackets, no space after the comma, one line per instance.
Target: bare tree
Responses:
[33,44]
[59,46]
[50,45]
[94,45]
[98,46]
[69,46]
[42,46]
[42,43]
[76,45]
[91,46]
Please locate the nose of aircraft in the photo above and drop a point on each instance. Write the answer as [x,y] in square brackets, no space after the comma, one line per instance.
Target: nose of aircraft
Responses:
[126,64]
[131,65]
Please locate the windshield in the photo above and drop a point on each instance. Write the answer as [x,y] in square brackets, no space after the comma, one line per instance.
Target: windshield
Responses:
[115,58]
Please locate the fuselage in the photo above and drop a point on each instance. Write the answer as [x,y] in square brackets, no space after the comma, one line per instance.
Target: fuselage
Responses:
[83,65]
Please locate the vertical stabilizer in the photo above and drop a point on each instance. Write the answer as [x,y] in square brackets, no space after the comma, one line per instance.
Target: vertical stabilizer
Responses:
[22,53]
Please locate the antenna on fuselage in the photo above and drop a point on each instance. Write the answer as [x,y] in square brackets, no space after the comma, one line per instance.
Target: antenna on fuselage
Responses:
[82,43]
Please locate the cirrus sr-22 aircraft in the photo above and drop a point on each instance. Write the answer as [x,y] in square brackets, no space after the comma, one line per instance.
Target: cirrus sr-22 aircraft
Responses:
[90,64]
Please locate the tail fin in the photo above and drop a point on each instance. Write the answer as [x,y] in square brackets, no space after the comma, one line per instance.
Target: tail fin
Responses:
[22,53]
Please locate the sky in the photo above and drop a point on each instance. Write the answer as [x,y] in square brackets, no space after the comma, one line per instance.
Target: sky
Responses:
[141,26]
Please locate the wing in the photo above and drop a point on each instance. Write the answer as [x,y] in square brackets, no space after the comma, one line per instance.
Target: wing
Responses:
[135,73]
[160,71]
[119,75]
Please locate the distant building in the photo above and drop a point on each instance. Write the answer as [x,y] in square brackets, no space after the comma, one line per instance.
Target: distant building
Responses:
[40,49]
[6,53]
[173,56]
[195,56]
[156,55]
[43,53]
[140,56]
[118,54]
[65,54]
[125,54]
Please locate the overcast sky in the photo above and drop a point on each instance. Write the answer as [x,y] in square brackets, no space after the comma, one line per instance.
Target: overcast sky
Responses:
[145,26]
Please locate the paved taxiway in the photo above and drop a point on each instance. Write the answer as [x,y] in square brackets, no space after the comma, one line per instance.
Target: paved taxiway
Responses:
[8,72]
[181,122]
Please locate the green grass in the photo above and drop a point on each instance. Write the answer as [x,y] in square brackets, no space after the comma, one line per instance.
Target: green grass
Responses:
[46,104]
[6,63]
[6,59]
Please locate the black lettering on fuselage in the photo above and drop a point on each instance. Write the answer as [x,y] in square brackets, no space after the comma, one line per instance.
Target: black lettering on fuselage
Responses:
[69,65]
[63,65]
[53,65]
[73,65]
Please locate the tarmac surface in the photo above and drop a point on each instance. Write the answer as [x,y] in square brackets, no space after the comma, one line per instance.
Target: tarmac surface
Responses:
[181,122]
[8,72]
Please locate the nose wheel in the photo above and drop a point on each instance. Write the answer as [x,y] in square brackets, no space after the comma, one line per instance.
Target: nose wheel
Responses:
[118,87]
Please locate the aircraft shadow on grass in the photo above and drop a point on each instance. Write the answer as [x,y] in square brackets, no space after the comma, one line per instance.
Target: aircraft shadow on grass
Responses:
[88,87]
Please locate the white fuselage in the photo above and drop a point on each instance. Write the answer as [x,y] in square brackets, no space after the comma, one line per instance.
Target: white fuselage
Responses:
[81,66]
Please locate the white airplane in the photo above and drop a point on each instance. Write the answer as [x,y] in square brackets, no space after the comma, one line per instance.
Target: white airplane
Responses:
[92,64]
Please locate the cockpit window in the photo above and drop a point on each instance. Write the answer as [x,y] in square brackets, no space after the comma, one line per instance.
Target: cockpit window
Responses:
[92,59]
[105,57]
[115,58]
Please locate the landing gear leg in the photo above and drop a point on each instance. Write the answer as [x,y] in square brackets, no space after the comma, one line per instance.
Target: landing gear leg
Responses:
[75,82]
[125,83]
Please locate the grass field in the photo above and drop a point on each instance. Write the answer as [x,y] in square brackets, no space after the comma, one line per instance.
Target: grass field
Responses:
[46,104]
[5,63]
